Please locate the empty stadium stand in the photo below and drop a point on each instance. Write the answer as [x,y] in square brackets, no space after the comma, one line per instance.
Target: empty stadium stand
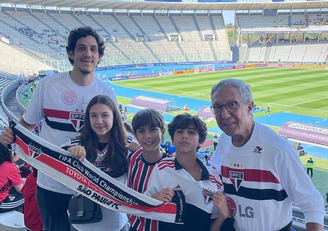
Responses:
[131,37]
[284,37]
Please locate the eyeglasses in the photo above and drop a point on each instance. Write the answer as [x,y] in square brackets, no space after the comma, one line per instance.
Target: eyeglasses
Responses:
[230,106]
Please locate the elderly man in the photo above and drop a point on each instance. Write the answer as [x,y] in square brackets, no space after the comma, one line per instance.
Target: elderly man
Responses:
[261,172]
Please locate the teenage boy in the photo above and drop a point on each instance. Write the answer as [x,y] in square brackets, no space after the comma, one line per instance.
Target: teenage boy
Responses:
[206,206]
[149,127]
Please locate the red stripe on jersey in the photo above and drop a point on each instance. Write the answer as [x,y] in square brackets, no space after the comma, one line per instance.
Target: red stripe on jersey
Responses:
[255,175]
[166,160]
[132,165]
[165,166]
[137,177]
[132,219]
[154,225]
[56,113]
[166,163]
[136,164]
[141,170]
[215,181]
[140,224]
[149,171]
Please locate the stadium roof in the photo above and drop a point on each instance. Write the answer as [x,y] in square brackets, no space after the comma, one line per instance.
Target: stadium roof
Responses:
[141,5]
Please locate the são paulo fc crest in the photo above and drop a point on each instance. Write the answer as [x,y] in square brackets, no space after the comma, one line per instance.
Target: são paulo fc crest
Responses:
[77,120]
[236,178]
[34,151]
[207,196]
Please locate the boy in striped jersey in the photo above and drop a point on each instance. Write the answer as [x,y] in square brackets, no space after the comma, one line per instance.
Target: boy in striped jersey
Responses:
[149,127]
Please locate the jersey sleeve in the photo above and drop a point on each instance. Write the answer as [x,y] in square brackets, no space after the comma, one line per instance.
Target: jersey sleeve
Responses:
[299,187]
[71,142]
[215,160]
[34,112]
[13,174]
[113,96]
[109,91]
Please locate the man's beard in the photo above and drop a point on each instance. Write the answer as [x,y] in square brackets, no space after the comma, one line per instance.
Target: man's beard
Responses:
[83,71]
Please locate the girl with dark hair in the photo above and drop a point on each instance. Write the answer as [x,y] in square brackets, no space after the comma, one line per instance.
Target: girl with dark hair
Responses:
[102,142]
[9,178]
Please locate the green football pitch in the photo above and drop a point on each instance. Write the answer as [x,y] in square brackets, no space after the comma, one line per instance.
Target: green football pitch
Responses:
[300,91]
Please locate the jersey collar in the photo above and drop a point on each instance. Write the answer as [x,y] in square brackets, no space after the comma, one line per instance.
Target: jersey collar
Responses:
[205,174]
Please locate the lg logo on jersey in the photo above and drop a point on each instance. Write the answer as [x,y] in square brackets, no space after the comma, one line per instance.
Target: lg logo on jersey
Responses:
[247,212]
[69,97]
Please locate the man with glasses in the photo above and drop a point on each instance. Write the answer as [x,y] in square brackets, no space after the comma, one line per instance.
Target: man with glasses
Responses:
[261,172]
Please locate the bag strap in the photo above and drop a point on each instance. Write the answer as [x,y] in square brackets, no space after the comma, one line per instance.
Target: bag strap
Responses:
[80,207]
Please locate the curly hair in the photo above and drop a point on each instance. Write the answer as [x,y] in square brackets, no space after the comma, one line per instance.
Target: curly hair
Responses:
[83,32]
[182,121]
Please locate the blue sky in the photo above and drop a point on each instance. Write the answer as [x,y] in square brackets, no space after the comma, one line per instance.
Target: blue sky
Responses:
[229,17]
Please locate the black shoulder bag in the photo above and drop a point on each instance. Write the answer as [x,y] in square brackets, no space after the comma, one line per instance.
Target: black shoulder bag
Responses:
[83,210]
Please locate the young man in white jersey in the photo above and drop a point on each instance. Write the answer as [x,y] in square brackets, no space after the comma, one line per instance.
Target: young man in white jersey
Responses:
[261,172]
[60,102]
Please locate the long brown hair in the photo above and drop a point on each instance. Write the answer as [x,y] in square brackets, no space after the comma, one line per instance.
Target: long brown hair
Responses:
[116,155]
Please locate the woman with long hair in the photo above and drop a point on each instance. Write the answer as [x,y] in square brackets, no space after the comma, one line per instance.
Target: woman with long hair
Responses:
[103,143]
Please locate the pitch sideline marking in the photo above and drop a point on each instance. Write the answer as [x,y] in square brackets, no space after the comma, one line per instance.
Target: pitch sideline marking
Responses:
[309,101]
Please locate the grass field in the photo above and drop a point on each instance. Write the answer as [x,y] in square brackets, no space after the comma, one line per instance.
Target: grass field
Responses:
[300,91]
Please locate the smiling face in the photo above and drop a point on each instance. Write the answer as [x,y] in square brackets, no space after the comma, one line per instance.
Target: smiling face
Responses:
[101,121]
[149,137]
[85,56]
[186,140]
[237,124]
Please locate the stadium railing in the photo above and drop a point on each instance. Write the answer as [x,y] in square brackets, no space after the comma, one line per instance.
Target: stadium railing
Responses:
[299,220]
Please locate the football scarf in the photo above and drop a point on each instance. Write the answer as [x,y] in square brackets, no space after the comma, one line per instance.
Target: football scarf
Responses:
[91,182]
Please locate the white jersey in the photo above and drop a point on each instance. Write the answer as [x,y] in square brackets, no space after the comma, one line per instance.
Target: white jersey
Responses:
[61,104]
[262,179]
[168,173]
